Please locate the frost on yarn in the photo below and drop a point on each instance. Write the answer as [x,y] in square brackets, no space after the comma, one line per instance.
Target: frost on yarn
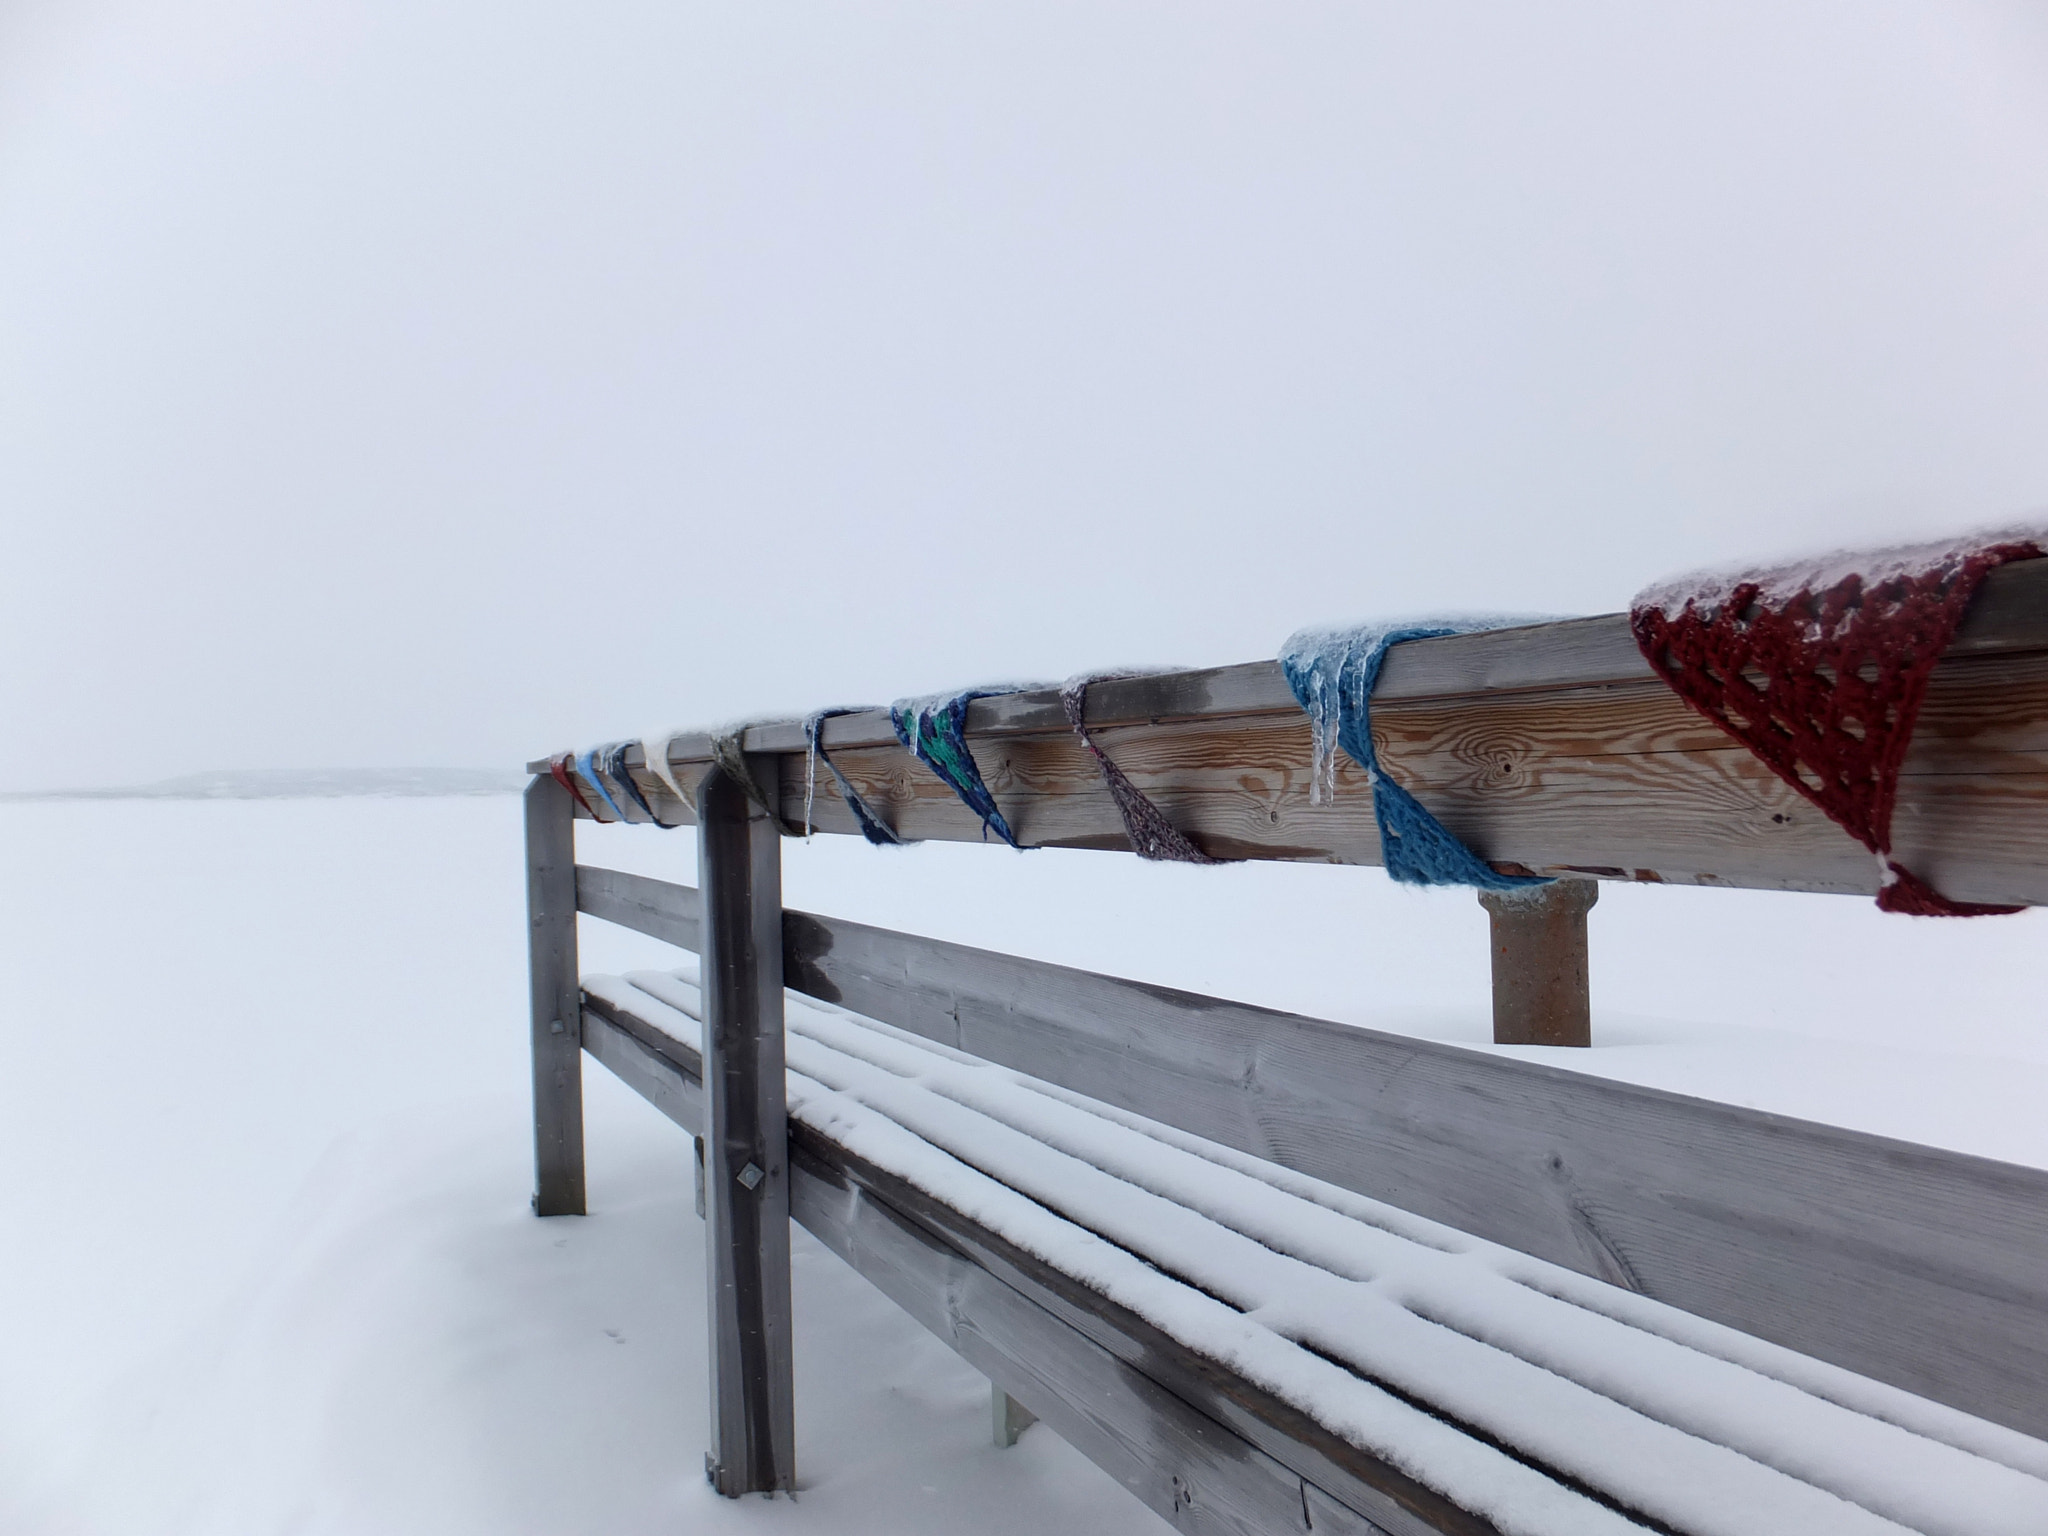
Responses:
[933,727]
[1820,667]
[872,827]
[1333,672]
[586,765]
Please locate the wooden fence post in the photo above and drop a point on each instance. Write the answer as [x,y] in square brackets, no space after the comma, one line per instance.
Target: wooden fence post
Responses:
[1541,989]
[746,1154]
[557,1000]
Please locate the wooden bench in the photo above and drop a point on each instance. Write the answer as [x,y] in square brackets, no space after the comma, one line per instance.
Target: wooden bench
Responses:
[1253,1350]
[1594,1306]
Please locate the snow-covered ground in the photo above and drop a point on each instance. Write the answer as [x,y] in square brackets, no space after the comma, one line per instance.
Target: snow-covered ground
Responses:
[265,1259]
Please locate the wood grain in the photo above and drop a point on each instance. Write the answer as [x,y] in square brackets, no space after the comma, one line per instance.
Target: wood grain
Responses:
[1090,1370]
[746,1146]
[1923,1268]
[553,993]
[1550,748]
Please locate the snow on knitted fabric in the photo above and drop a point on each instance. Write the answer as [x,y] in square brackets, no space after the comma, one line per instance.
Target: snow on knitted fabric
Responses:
[558,770]
[1333,673]
[612,760]
[933,727]
[1152,835]
[586,766]
[872,827]
[728,752]
[1820,669]
[654,747]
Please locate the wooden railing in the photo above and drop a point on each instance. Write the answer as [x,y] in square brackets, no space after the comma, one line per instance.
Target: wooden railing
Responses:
[1553,748]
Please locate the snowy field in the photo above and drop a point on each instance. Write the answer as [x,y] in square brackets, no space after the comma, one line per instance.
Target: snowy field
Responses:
[267,1260]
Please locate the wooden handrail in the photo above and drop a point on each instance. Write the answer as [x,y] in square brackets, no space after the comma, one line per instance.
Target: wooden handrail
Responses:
[1551,748]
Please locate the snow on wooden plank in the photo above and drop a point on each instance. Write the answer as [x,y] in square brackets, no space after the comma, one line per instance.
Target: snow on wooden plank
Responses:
[1922,1268]
[1694,1426]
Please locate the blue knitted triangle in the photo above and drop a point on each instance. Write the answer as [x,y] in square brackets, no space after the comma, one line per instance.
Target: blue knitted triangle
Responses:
[1333,673]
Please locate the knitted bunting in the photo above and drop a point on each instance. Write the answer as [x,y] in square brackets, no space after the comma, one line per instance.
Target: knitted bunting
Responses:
[612,760]
[654,747]
[1820,670]
[586,766]
[872,827]
[1333,673]
[1152,835]
[934,729]
[558,770]
[728,753]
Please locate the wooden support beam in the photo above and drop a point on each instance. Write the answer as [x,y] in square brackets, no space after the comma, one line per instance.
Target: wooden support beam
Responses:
[746,1151]
[556,1014]
[1541,989]
[1008,1417]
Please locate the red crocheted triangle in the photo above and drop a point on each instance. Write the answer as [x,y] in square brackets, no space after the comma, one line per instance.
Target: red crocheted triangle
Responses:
[1822,676]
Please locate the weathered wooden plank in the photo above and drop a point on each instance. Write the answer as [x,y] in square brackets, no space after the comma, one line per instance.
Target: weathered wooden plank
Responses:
[672,1083]
[746,1156]
[1180,1462]
[1623,780]
[1920,1267]
[652,907]
[1923,1268]
[1099,1376]
[553,991]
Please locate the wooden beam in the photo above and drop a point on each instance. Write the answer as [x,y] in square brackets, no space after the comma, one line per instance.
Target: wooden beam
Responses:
[746,1156]
[1552,748]
[653,907]
[553,992]
[1206,1450]
[1542,992]
[1099,1387]
[1008,1418]
[1923,1268]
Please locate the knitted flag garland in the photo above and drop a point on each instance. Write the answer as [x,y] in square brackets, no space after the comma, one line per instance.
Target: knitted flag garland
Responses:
[728,752]
[558,770]
[1152,835]
[587,767]
[654,747]
[1333,673]
[933,728]
[1820,669]
[872,827]
[612,760]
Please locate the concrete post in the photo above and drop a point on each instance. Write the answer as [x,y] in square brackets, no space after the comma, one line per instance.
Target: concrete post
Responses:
[1540,986]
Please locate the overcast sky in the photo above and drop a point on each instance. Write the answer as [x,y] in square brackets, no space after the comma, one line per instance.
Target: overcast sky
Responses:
[442,383]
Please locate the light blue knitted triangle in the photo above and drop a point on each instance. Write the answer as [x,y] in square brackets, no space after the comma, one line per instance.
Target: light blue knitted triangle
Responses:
[1333,673]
